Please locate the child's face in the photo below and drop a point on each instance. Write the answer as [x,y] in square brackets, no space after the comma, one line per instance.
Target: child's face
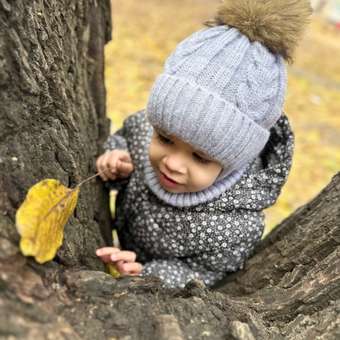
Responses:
[172,158]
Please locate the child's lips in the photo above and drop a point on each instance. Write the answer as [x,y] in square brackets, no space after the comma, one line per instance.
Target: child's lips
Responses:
[169,178]
[167,181]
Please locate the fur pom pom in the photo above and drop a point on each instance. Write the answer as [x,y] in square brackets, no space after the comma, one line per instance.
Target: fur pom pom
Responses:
[277,24]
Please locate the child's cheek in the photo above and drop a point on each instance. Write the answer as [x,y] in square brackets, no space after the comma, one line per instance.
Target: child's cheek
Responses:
[155,154]
[204,177]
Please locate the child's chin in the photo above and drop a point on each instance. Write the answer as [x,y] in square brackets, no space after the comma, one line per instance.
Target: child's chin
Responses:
[173,191]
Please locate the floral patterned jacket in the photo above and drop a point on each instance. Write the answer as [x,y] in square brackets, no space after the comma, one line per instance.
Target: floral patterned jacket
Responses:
[207,240]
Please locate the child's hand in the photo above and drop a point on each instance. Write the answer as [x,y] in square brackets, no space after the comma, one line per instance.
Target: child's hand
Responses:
[114,164]
[123,259]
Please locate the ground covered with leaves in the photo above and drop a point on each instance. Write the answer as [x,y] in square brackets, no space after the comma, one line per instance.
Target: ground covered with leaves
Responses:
[146,32]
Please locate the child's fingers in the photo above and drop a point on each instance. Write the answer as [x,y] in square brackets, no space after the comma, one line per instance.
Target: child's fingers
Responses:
[106,258]
[124,168]
[124,255]
[125,157]
[127,268]
[118,164]
[100,167]
[103,166]
[107,251]
[112,165]
[119,266]
[124,260]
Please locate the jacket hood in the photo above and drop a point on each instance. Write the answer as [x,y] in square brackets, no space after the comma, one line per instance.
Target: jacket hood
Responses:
[261,184]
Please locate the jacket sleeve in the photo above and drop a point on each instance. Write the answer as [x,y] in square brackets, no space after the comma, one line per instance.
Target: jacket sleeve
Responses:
[225,249]
[116,140]
[120,139]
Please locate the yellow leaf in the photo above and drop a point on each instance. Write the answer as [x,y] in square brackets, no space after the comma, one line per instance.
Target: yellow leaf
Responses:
[112,270]
[113,196]
[41,218]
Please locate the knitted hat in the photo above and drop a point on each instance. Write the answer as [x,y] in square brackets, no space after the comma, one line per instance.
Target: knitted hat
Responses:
[223,87]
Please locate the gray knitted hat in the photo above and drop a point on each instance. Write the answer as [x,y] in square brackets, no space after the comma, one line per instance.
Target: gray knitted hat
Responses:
[223,87]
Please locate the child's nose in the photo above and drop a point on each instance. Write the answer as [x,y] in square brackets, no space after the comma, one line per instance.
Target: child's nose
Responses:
[175,163]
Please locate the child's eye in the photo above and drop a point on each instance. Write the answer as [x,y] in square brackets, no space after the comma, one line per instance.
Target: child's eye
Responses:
[200,159]
[163,139]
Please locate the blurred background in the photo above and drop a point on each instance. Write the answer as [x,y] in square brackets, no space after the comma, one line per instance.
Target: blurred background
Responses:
[145,32]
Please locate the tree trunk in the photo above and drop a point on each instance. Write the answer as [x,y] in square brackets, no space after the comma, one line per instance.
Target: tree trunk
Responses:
[52,117]
[52,124]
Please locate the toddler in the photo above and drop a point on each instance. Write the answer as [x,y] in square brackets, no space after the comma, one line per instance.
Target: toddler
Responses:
[212,150]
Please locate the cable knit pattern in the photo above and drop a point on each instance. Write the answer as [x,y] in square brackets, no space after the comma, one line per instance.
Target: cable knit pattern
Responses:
[204,240]
[221,93]
[198,117]
[255,93]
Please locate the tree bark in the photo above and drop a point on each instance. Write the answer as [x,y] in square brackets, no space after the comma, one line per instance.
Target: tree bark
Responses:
[52,123]
[52,119]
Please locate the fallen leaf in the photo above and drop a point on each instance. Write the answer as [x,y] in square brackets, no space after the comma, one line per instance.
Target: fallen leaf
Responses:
[41,218]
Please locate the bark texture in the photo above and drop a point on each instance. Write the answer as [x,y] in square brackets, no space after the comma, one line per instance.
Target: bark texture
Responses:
[52,114]
[52,121]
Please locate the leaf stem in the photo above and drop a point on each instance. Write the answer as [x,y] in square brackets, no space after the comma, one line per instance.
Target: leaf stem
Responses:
[88,179]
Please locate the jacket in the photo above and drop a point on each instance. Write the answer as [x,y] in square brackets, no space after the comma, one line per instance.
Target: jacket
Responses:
[207,240]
